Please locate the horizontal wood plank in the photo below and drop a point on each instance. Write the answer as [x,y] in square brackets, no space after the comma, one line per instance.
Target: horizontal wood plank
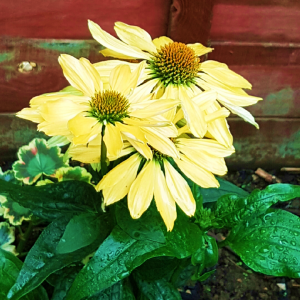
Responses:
[67,19]
[250,23]
[16,87]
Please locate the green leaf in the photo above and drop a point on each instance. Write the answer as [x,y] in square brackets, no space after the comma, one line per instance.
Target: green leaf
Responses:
[10,266]
[13,211]
[81,231]
[226,187]
[159,289]
[62,281]
[158,267]
[7,237]
[9,176]
[269,243]
[42,260]
[114,260]
[37,159]
[231,209]
[54,200]
[76,173]
[204,276]
[119,291]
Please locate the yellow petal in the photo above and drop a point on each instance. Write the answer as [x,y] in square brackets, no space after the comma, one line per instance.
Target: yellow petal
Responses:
[200,49]
[194,116]
[58,141]
[56,115]
[132,132]
[114,44]
[179,116]
[30,114]
[162,41]
[76,73]
[222,73]
[135,36]
[206,145]
[135,77]
[141,192]
[197,174]
[243,113]
[146,122]
[220,113]
[143,92]
[205,99]
[82,124]
[85,153]
[153,108]
[113,139]
[119,77]
[235,99]
[142,148]
[94,74]
[117,174]
[180,190]
[163,199]
[111,53]
[205,160]
[160,142]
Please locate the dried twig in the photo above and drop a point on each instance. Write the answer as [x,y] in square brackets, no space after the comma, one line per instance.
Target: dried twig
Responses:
[267,176]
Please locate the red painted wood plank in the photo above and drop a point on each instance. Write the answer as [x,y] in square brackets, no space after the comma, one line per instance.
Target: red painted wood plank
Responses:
[279,86]
[67,19]
[16,88]
[256,23]
[260,2]
[276,144]
[256,53]
[190,21]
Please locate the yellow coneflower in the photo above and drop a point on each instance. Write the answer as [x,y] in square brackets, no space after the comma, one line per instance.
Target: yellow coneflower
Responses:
[174,69]
[111,112]
[199,160]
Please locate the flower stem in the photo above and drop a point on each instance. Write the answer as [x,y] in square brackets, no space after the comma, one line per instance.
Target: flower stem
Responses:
[24,237]
[103,154]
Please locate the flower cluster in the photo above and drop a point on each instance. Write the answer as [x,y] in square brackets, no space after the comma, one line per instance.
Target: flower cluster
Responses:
[151,126]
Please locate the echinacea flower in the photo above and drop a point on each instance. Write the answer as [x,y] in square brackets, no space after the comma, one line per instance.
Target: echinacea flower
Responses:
[174,70]
[158,178]
[111,112]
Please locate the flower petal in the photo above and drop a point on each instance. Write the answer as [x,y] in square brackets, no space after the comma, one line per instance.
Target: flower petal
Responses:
[82,124]
[197,174]
[194,116]
[141,191]
[85,153]
[114,44]
[113,140]
[119,77]
[222,73]
[160,142]
[111,53]
[200,49]
[77,74]
[162,41]
[135,36]
[180,190]
[164,201]
[30,114]
[117,174]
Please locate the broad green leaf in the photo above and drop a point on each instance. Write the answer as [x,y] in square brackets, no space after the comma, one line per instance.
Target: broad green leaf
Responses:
[76,173]
[37,159]
[7,237]
[114,260]
[159,289]
[81,231]
[54,200]
[42,260]
[269,243]
[186,271]
[62,281]
[10,266]
[158,267]
[119,291]
[231,209]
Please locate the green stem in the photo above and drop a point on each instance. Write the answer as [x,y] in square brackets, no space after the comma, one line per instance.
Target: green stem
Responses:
[103,154]
[24,237]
